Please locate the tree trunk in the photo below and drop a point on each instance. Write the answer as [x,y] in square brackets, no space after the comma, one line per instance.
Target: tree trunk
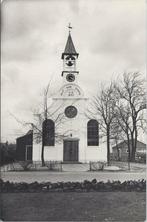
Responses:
[42,155]
[129,151]
[134,145]
[133,154]
[108,146]
[43,138]
[118,154]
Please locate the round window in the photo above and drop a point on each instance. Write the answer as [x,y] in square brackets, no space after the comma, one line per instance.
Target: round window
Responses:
[71,111]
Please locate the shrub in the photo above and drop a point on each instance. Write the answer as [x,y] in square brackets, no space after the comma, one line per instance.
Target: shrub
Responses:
[26,165]
[96,166]
[86,186]
[140,157]
[54,165]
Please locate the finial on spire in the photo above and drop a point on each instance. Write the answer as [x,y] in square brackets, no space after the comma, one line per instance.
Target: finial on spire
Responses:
[69,48]
[70,27]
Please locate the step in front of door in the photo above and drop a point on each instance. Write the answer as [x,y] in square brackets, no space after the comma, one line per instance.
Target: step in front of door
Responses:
[75,167]
[71,162]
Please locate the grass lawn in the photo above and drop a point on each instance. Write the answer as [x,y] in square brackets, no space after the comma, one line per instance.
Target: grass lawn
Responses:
[92,206]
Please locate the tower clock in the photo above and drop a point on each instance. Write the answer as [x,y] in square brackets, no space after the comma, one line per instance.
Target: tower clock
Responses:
[70,77]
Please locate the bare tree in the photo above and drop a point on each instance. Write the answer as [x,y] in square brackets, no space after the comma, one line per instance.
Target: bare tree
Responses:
[43,112]
[103,107]
[123,122]
[130,108]
[47,112]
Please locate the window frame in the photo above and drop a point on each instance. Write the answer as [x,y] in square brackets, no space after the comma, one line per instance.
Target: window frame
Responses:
[48,132]
[92,133]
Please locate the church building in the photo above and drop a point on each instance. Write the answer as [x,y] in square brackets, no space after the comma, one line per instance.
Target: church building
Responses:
[68,134]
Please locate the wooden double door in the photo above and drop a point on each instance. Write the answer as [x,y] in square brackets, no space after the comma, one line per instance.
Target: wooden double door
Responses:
[71,151]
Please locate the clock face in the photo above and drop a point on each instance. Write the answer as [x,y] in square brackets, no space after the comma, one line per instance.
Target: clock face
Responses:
[71,111]
[70,77]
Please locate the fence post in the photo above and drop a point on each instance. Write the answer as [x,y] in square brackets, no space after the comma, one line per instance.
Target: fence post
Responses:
[90,165]
[61,166]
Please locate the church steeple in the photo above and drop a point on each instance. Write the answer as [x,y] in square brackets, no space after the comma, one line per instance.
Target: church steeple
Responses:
[70,88]
[69,48]
[69,57]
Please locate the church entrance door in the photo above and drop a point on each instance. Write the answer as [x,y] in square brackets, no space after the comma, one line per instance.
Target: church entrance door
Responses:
[71,150]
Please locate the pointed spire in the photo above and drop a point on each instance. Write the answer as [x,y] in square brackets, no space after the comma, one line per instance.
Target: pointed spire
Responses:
[69,48]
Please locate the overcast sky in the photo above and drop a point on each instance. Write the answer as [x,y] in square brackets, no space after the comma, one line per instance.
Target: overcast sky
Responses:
[109,36]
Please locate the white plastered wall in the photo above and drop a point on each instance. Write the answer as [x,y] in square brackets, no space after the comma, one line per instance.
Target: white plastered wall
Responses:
[78,127]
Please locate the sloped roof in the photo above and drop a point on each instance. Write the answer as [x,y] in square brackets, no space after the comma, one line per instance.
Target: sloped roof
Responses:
[69,48]
[23,136]
[120,145]
[29,132]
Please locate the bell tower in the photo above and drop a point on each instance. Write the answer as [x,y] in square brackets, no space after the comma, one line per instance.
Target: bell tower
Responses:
[70,88]
[69,57]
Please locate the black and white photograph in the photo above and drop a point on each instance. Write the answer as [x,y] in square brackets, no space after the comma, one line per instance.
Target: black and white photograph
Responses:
[73,110]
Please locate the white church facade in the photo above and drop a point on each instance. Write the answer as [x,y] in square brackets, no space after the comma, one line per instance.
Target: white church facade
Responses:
[68,134]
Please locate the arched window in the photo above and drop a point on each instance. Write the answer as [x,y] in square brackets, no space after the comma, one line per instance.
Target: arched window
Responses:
[48,132]
[92,133]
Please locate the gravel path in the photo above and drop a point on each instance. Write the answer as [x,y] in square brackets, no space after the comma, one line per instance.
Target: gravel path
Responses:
[70,176]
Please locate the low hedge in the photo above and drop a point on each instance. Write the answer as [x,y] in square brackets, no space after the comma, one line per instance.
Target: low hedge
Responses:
[86,186]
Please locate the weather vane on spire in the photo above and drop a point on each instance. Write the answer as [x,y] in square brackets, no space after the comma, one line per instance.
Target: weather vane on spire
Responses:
[70,27]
